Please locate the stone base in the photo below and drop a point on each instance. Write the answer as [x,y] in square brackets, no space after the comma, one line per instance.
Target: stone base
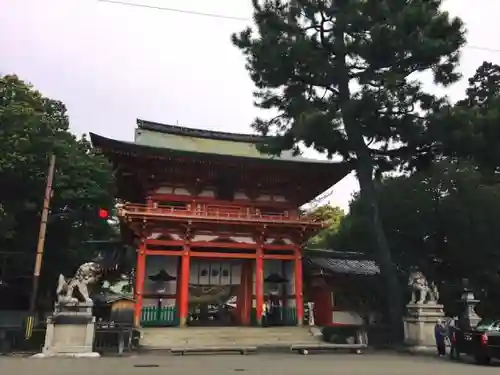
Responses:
[419,325]
[67,355]
[420,350]
[70,332]
[416,310]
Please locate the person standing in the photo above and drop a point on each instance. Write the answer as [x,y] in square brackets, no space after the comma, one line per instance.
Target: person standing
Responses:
[265,313]
[440,336]
[453,337]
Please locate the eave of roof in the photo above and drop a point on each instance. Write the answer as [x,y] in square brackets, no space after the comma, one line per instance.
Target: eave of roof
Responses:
[330,261]
[344,266]
[110,297]
[330,253]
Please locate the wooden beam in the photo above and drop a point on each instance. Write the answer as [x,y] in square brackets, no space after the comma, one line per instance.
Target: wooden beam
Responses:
[220,245]
[278,256]
[201,254]
[223,245]
[164,252]
[166,242]
[278,247]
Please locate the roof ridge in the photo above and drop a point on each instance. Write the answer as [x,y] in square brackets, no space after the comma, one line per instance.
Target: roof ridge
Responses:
[200,133]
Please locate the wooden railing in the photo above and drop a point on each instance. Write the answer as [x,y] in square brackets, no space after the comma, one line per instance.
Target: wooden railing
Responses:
[215,212]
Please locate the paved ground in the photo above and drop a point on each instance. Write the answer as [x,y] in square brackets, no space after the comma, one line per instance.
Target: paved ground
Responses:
[257,364]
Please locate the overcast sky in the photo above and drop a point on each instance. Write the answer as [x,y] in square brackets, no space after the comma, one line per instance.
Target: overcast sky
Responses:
[111,64]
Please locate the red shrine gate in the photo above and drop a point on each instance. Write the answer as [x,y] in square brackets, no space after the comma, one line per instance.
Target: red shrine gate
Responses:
[194,194]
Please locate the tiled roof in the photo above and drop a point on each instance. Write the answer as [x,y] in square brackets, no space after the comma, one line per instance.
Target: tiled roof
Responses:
[109,297]
[199,133]
[344,266]
[212,142]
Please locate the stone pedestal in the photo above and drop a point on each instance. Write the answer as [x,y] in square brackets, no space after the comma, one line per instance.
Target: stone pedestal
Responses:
[468,319]
[70,332]
[419,326]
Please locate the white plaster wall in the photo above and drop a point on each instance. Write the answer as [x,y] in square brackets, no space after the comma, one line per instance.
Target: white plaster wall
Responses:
[240,195]
[264,198]
[156,235]
[243,239]
[285,240]
[165,190]
[204,237]
[211,237]
[207,193]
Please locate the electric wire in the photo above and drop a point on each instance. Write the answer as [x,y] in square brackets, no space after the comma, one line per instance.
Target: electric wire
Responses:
[234,18]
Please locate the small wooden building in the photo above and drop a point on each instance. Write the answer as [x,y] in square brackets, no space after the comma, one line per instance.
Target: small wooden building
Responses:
[114,307]
[338,285]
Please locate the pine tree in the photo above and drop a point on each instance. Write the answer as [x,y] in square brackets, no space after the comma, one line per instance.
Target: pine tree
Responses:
[339,76]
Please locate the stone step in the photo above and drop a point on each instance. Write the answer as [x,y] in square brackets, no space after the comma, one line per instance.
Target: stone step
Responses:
[220,336]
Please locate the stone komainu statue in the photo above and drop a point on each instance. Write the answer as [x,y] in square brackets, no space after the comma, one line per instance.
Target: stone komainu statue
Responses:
[427,292]
[87,274]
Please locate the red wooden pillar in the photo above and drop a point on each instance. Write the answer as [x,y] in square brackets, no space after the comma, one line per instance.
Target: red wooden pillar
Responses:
[246,303]
[240,299]
[299,296]
[259,284]
[184,287]
[140,274]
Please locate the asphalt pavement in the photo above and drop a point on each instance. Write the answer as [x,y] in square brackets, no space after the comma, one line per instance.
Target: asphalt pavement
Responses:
[255,364]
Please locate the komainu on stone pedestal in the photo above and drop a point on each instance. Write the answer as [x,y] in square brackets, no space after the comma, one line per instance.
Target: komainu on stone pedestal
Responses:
[71,328]
[422,314]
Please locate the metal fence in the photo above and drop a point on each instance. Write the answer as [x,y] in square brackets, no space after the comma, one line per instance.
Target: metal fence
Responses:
[159,316]
[12,339]
[111,337]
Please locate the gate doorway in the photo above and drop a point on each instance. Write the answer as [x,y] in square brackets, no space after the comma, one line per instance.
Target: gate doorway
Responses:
[215,297]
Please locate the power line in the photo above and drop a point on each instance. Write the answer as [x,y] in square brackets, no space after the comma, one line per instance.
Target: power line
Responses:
[486,49]
[175,10]
[233,18]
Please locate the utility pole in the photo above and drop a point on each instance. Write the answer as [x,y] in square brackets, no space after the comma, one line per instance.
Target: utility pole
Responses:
[40,247]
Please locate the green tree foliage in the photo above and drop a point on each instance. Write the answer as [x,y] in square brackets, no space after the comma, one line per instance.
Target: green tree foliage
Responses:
[444,220]
[331,216]
[471,127]
[32,127]
[339,75]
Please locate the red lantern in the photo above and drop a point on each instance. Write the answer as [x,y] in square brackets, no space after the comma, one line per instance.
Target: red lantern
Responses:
[103,214]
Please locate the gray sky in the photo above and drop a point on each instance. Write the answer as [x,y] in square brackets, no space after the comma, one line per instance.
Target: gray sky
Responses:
[111,64]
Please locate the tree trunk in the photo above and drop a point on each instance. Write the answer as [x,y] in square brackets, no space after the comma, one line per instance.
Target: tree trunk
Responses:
[387,268]
[364,169]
